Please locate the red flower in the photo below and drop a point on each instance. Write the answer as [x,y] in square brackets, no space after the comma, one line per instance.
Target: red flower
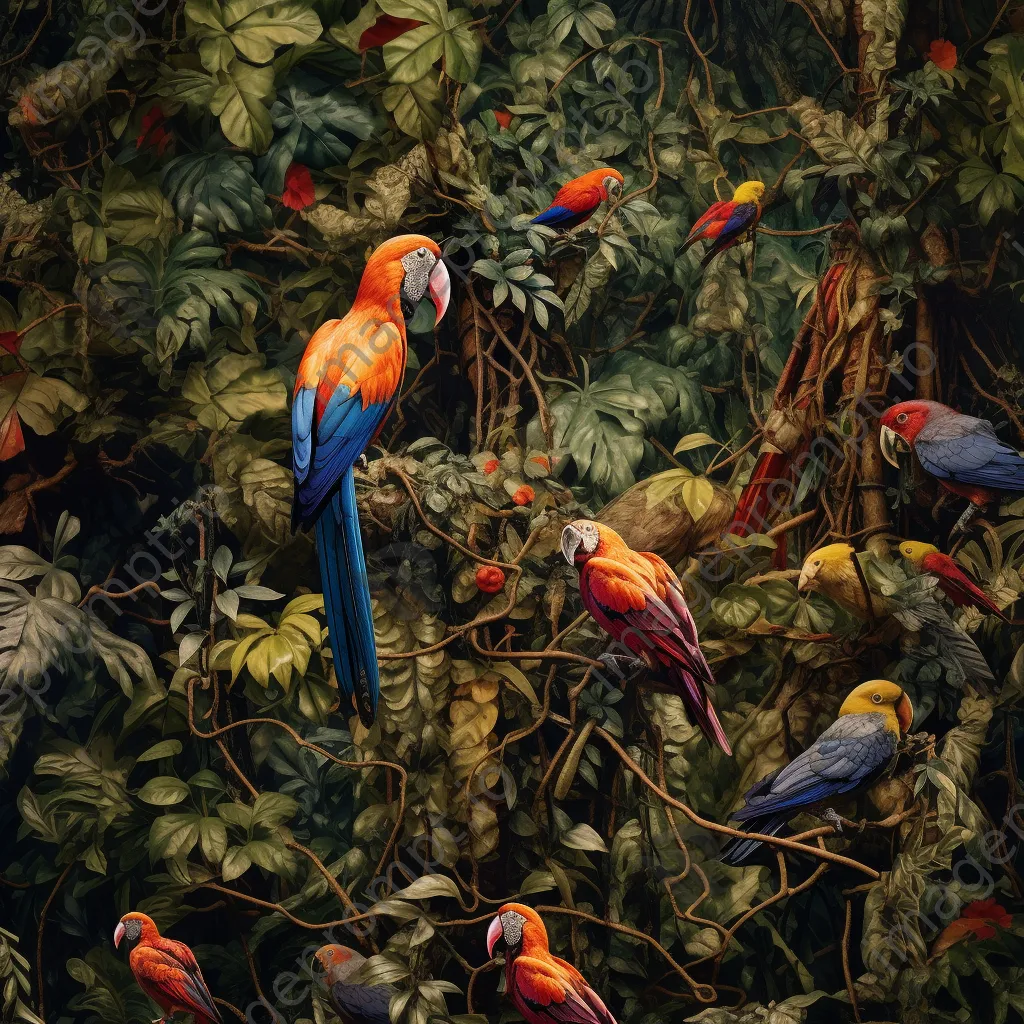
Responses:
[942,54]
[298,188]
[153,131]
[988,910]
[384,29]
[491,466]
[977,921]
[504,119]
[542,461]
[524,495]
[490,579]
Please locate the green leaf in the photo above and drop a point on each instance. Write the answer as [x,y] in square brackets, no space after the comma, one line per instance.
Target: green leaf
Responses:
[583,837]
[240,101]
[165,748]
[427,886]
[216,192]
[236,387]
[235,863]
[588,17]
[446,35]
[253,28]
[417,107]
[163,791]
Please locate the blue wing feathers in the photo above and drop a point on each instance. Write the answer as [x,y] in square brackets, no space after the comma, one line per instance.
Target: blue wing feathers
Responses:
[555,216]
[302,432]
[978,458]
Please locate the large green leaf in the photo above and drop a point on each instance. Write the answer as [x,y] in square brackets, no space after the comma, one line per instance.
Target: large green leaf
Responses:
[216,192]
[446,36]
[240,101]
[233,389]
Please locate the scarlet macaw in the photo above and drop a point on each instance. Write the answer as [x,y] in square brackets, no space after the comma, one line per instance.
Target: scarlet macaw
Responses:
[166,970]
[637,598]
[347,383]
[726,222]
[953,580]
[576,201]
[834,570]
[851,754]
[354,1003]
[962,452]
[543,988]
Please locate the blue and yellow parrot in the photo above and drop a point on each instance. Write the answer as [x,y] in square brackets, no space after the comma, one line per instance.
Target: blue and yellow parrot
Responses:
[347,383]
[851,754]
[726,222]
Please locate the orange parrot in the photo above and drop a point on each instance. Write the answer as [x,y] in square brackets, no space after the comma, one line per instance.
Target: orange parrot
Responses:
[543,988]
[576,201]
[166,970]
[637,598]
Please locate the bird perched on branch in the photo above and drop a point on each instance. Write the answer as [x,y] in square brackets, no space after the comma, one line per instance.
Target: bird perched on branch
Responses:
[577,200]
[543,988]
[837,572]
[953,579]
[852,753]
[353,1002]
[166,970]
[637,598]
[962,452]
[728,221]
[347,383]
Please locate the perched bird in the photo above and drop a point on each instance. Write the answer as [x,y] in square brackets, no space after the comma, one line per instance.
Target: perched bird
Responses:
[166,970]
[353,1003]
[543,988]
[953,580]
[726,222]
[836,572]
[637,598]
[347,383]
[853,752]
[576,201]
[961,452]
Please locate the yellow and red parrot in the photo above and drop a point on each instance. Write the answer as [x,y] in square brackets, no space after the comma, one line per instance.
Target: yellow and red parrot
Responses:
[637,598]
[543,988]
[852,753]
[347,383]
[962,452]
[953,580]
[576,201]
[166,970]
[728,221]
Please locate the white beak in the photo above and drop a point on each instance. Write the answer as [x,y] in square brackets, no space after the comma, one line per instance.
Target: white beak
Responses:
[440,285]
[118,934]
[891,444]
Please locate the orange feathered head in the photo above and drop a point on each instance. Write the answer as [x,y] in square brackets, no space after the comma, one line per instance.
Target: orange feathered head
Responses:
[518,927]
[583,539]
[606,178]
[135,928]
[400,272]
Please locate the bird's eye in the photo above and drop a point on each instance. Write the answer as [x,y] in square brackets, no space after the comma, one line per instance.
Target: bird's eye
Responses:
[902,418]
[817,561]
[422,253]
[876,698]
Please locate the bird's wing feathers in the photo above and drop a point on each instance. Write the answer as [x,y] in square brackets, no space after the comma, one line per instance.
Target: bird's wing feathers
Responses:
[976,457]
[170,975]
[846,754]
[955,581]
[553,994]
[362,1004]
[710,223]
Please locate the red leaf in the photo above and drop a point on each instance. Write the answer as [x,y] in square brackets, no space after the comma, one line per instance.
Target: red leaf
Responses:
[384,29]
[298,188]
[12,440]
[11,341]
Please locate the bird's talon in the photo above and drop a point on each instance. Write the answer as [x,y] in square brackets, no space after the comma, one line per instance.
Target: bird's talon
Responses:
[363,463]
[833,819]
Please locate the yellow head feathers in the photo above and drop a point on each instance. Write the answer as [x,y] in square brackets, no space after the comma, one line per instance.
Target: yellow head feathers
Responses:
[748,192]
[822,564]
[914,551]
[881,697]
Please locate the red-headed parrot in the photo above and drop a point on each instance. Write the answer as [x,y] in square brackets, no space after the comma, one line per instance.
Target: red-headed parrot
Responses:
[851,754]
[576,201]
[727,222]
[166,970]
[962,452]
[543,988]
[637,598]
[347,383]
[953,579]
[353,1002]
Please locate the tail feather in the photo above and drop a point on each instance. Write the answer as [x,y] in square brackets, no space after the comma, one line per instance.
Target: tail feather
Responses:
[738,851]
[699,707]
[347,599]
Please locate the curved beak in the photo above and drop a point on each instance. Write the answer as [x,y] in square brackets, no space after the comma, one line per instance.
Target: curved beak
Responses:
[806,580]
[905,714]
[571,540]
[891,444]
[494,933]
[440,285]
[118,934]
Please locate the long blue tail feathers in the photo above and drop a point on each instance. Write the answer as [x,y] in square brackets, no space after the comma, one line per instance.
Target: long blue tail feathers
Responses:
[347,599]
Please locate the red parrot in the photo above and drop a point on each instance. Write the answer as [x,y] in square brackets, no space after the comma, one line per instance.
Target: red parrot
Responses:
[576,201]
[166,970]
[727,222]
[347,383]
[962,452]
[953,581]
[637,598]
[543,988]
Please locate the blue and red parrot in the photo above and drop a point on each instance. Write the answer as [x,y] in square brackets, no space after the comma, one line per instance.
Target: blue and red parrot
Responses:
[953,581]
[851,754]
[347,384]
[727,222]
[543,988]
[576,201]
[353,1001]
[637,598]
[166,970]
[962,452]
